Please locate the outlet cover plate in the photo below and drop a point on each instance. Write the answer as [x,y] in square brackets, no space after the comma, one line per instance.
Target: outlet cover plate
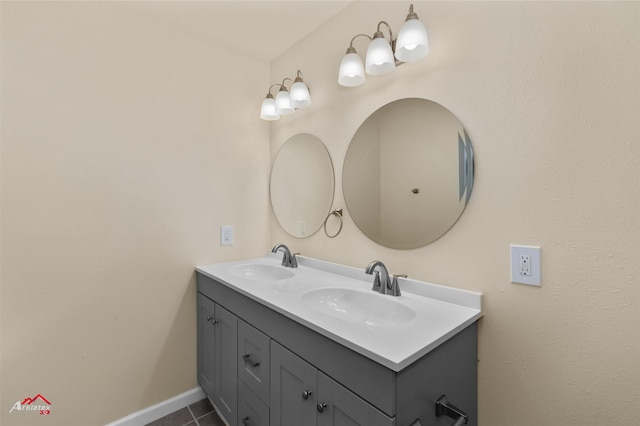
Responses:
[534,255]
[226,235]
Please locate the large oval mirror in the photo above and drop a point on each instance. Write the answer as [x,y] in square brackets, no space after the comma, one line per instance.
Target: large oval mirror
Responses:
[302,185]
[408,173]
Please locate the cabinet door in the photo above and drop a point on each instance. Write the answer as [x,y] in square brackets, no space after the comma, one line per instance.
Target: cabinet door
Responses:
[225,387]
[293,389]
[338,406]
[254,360]
[206,338]
[251,411]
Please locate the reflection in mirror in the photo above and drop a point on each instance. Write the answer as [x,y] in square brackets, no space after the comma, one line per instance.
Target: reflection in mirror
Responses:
[302,185]
[408,173]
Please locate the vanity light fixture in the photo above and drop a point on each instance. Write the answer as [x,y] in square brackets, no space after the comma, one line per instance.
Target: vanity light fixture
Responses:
[413,43]
[268,109]
[351,69]
[380,58]
[286,102]
[383,55]
[300,96]
[283,100]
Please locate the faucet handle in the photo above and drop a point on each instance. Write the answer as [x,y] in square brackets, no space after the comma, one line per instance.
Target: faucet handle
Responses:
[395,287]
[376,281]
[294,261]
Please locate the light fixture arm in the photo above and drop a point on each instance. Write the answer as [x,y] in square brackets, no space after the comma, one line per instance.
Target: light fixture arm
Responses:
[269,95]
[380,34]
[282,86]
[352,49]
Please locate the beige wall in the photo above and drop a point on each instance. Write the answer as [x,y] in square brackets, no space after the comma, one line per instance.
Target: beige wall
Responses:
[549,93]
[125,146]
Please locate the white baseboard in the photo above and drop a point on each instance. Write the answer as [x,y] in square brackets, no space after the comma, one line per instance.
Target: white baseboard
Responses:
[161,409]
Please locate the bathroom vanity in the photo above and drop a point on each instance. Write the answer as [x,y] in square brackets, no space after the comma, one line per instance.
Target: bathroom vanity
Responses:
[314,345]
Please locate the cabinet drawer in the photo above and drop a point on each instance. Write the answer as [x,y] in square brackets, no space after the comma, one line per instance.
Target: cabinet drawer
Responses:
[254,360]
[251,411]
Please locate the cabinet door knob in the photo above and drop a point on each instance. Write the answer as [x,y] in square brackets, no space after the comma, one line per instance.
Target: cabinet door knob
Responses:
[248,360]
[212,321]
[306,394]
[246,421]
[321,406]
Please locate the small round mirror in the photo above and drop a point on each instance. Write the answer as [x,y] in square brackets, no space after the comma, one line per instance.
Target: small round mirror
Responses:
[408,173]
[302,185]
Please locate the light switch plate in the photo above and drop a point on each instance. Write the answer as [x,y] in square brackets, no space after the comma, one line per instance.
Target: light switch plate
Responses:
[226,235]
[525,265]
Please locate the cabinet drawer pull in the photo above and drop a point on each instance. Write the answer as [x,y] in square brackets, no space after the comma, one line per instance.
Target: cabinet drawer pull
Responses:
[246,421]
[321,406]
[248,360]
[306,394]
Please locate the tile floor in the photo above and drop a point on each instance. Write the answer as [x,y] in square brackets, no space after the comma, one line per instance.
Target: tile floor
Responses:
[200,413]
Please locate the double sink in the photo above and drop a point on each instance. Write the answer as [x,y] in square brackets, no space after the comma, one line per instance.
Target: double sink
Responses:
[356,306]
[337,301]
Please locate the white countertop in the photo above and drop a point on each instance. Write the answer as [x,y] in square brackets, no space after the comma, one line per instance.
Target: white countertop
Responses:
[440,312]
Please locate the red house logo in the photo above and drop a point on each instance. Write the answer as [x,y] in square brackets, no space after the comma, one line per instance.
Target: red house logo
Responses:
[29,401]
[38,404]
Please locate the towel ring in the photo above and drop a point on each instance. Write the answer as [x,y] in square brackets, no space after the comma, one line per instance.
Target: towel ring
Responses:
[337,213]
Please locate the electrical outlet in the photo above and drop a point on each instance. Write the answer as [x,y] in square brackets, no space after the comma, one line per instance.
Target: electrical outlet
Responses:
[302,228]
[525,265]
[226,235]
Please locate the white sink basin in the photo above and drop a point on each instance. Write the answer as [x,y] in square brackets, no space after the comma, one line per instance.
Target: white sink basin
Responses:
[259,272]
[360,307]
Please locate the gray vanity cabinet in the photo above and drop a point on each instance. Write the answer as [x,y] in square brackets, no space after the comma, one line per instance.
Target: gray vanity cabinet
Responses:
[271,370]
[217,356]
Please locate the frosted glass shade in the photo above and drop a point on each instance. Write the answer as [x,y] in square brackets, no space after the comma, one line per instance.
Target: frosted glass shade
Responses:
[283,103]
[299,95]
[412,44]
[380,58]
[268,110]
[351,72]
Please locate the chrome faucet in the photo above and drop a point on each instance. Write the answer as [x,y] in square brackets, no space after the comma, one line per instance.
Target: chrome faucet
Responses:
[288,259]
[379,284]
[382,283]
